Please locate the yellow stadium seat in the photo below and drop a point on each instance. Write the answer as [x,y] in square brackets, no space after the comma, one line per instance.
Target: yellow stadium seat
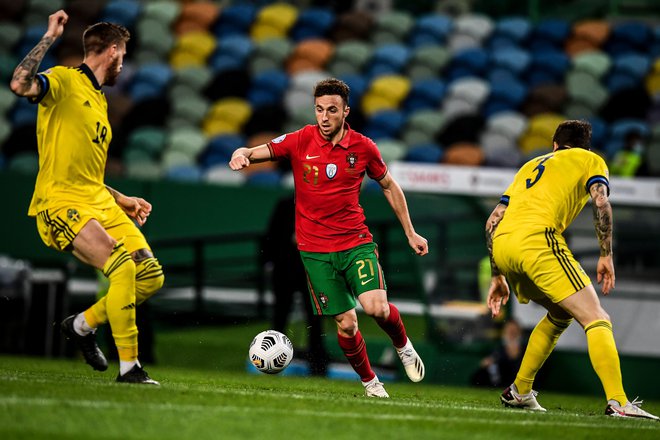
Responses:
[394,88]
[227,115]
[280,17]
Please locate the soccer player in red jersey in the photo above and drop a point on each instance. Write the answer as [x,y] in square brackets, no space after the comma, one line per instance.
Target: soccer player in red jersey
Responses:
[329,161]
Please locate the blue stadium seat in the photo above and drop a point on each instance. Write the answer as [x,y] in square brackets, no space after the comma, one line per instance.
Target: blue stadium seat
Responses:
[388,59]
[150,81]
[634,64]
[358,85]
[425,94]
[514,59]
[548,34]
[430,29]
[384,124]
[124,12]
[467,62]
[231,53]
[268,88]
[312,23]
[24,113]
[235,19]
[554,62]
[424,153]
[629,36]
[599,132]
[516,29]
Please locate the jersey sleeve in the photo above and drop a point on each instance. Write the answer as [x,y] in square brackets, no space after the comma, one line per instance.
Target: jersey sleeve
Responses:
[283,146]
[376,167]
[597,172]
[54,86]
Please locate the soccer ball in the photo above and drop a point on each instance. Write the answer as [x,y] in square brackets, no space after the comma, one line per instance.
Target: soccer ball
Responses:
[271,351]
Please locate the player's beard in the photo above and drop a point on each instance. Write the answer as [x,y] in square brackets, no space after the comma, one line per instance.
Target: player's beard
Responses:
[112,73]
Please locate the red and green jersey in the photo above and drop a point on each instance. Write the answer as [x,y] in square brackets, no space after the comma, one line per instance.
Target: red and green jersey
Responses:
[328,179]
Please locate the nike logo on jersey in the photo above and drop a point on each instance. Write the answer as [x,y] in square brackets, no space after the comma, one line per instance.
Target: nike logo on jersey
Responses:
[366,281]
[308,157]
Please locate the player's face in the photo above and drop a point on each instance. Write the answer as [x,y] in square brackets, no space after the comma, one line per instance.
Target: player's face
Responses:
[331,112]
[116,64]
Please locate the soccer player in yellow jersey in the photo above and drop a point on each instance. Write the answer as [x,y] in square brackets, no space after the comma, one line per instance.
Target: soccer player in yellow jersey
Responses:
[527,250]
[74,210]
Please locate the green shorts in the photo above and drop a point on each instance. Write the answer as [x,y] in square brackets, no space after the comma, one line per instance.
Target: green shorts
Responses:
[336,279]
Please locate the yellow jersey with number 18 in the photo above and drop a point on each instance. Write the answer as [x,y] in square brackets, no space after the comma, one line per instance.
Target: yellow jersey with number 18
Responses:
[550,191]
[73,134]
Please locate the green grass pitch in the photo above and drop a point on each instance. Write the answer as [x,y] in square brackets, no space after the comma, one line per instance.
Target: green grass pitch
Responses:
[65,399]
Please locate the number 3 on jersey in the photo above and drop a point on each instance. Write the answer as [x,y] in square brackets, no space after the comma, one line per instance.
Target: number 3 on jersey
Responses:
[540,168]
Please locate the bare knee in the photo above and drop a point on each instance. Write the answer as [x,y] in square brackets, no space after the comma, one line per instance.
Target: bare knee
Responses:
[347,324]
[379,310]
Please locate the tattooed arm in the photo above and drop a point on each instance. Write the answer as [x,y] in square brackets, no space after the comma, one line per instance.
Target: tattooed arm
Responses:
[23,83]
[603,223]
[135,207]
[498,293]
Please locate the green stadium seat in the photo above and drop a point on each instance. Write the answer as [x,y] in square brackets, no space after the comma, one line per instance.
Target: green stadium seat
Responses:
[392,27]
[10,34]
[195,77]
[25,163]
[163,11]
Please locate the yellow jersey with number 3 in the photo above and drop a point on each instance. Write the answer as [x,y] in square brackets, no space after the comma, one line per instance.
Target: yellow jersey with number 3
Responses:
[549,191]
[73,134]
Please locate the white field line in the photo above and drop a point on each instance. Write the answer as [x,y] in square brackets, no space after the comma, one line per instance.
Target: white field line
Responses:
[9,401]
[285,412]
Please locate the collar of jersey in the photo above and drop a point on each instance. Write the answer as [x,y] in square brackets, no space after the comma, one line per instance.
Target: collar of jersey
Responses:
[87,71]
[344,143]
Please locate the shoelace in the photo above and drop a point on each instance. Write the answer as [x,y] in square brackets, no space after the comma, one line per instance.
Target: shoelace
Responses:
[637,403]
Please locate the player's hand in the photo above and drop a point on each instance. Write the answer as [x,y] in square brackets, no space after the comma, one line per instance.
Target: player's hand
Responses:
[605,274]
[238,162]
[136,208]
[498,294]
[56,24]
[419,244]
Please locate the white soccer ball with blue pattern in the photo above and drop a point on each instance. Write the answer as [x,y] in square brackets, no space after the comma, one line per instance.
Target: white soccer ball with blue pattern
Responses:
[271,352]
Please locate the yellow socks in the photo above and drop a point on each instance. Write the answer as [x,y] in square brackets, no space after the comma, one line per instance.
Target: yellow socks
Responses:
[542,341]
[118,306]
[605,359]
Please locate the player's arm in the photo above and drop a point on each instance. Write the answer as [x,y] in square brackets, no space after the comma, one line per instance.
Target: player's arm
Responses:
[397,200]
[602,210]
[243,157]
[135,207]
[24,81]
[498,292]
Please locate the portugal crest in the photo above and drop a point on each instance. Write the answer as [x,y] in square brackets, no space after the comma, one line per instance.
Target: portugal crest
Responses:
[351,159]
[331,170]
[324,300]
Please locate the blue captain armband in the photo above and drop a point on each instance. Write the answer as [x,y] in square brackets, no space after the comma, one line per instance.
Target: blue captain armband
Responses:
[504,200]
[598,179]
[45,85]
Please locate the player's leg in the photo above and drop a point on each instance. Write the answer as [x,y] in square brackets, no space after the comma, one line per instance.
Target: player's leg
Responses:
[585,307]
[541,343]
[365,277]
[331,295]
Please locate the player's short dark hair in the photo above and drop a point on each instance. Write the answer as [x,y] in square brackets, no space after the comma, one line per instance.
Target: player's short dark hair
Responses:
[332,86]
[573,133]
[98,37]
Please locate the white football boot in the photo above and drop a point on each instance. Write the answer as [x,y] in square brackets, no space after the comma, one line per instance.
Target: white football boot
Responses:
[630,409]
[411,362]
[375,388]
[510,398]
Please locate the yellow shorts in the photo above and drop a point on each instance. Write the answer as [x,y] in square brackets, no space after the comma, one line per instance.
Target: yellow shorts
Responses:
[59,226]
[539,265]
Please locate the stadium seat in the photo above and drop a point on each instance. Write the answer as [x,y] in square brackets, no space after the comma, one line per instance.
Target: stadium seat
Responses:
[424,153]
[267,88]
[192,49]
[196,17]
[10,35]
[231,53]
[124,12]
[189,141]
[514,29]
[154,41]
[471,89]
[313,23]
[391,150]
[235,19]
[269,178]
[384,124]
[311,54]
[392,27]
[549,34]
[385,92]
[222,174]
[24,163]
[273,20]
[350,57]
[513,59]
[586,89]
[226,116]
[596,63]
[425,93]
[150,140]
[184,173]
[427,61]
[162,11]
[195,77]
[430,30]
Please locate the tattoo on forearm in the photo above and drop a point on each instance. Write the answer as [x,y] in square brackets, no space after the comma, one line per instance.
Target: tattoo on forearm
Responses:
[27,69]
[602,219]
[494,270]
